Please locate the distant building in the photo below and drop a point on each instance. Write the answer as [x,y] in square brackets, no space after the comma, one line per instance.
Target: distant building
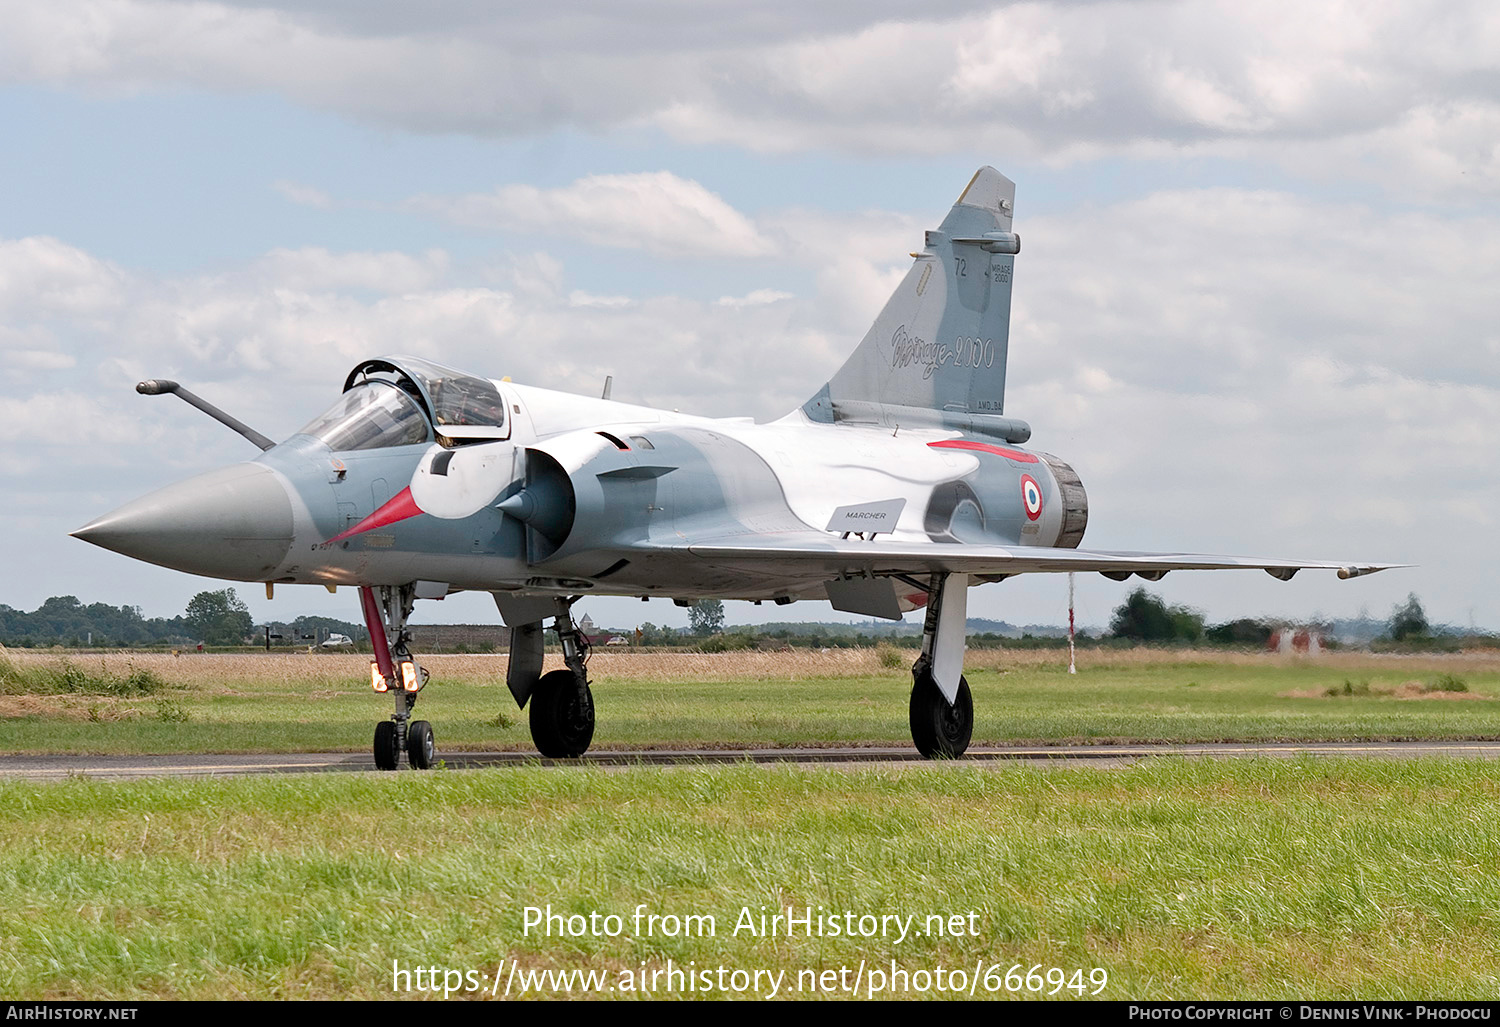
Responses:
[483,638]
[474,638]
[593,636]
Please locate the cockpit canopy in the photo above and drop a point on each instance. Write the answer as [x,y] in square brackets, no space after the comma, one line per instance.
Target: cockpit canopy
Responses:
[402,401]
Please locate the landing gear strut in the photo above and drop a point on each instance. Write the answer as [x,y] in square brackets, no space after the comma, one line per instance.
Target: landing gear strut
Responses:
[396,671]
[942,708]
[562,706]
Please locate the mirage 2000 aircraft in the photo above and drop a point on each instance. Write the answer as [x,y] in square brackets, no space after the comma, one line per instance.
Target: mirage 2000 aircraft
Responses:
[899,484]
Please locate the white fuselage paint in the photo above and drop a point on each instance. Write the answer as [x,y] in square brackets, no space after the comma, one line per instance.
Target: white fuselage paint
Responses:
[814,469]
[820,466]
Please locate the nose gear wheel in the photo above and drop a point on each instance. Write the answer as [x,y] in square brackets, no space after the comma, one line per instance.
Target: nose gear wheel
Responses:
[386,610]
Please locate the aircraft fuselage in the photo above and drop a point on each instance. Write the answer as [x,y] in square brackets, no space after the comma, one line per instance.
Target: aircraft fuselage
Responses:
[636,474]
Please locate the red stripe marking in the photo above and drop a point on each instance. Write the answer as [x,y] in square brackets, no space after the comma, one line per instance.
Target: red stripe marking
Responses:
[985,447]
[400,507]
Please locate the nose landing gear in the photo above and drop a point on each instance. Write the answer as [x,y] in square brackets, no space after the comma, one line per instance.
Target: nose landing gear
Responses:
[395,670]
[421,750]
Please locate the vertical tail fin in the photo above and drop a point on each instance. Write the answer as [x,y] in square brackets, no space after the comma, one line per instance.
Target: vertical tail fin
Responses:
[936,354]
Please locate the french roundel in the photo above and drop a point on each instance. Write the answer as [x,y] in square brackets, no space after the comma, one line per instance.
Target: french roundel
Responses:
[1031,497]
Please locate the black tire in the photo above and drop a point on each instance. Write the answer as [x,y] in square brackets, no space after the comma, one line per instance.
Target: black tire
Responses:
[387,746]
[421,749]
[562,716]
[941,731]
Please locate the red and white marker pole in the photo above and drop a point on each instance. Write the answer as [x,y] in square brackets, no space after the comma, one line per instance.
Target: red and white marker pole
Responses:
[1072,666]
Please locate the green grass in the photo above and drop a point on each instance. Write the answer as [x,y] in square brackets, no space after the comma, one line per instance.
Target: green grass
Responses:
[278,704]
[1182,879]
[63,676]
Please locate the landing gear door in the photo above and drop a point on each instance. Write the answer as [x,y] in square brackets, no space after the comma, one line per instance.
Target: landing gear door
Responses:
[525,668]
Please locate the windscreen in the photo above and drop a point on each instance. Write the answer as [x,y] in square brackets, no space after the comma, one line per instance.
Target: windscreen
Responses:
[372,415]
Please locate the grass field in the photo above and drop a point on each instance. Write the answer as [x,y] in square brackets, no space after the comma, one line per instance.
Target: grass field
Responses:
[1174,879]
[287,702]
[1178,879]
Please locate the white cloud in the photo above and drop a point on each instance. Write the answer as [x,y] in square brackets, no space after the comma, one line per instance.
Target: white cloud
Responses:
[1410,91]
[1412,94]
[579,298]
[39,360]
[37,420]
[1229,370]
[303,195]
[42,275]
[754,298]
[315,269]
[1221,365]
[655,211]
[1194,292]
[1240,280]
[1250,371]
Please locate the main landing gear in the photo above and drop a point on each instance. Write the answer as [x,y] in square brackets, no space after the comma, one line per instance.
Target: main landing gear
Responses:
[942,709]
[562,706]
[395,670]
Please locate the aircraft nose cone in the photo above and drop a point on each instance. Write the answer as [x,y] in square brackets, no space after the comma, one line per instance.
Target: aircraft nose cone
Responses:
[231,523]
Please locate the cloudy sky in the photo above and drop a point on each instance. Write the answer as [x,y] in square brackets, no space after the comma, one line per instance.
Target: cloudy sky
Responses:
[1256,309]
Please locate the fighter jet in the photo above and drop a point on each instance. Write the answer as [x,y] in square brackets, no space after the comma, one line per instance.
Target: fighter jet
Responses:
[897,486]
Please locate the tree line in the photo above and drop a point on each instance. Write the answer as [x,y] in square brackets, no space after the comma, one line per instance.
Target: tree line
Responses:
[211,618]
[1144,617]
[222,618]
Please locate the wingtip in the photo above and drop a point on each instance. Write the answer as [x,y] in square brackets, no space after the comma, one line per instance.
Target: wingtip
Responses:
[1345,573]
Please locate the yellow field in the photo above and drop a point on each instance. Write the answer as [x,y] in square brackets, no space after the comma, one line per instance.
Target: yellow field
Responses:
[290,702]
[341,670]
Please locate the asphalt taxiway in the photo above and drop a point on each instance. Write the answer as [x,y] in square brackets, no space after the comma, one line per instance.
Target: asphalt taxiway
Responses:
[62,767]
